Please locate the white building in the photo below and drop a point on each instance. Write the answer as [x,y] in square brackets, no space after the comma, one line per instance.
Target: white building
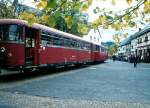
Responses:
[124,49]
[137,44]
[93,36]
[143,44]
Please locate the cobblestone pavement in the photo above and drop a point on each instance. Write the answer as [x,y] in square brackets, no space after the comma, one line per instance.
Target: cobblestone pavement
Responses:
[108,85]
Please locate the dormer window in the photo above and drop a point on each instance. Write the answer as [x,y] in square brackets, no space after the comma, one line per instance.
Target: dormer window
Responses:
[146,39]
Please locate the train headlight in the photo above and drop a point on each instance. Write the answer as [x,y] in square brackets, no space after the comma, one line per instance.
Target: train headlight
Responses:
[2,49]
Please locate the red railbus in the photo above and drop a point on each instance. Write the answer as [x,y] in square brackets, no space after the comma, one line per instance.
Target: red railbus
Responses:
[24,47]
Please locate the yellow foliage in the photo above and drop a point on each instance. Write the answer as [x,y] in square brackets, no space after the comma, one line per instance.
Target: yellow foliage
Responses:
[90,2]
[84,7]
[95,24]
[69,21]
[147,20]
[45,18]
[42,4]
[30,17]
[101,20]
[26,16]
[67,18]
[126,17]
[129,2]
[116,26]
[147,7]
[106,26]
[116,38]
[135,12]
[82,28]
[113,2]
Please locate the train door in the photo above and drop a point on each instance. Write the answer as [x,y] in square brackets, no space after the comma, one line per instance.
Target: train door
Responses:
[92,53]
[32,46]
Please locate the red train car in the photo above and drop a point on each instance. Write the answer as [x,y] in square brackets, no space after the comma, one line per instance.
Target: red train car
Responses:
[24,47]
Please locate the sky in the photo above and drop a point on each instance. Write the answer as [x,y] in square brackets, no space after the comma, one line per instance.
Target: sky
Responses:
[120,5]
[106,34]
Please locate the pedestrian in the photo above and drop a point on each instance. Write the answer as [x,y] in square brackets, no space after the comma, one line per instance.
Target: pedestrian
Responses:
[114,57]
[135,60]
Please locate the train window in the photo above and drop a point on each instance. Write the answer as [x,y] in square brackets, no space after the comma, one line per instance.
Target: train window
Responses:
[46,39]
[97,48]
[57,40]
[30,42]
[100,48]
[83,45]
[67,42]
[11,33]
[73,43]
[103,49]
[88,46]
[94,47]
[80,45]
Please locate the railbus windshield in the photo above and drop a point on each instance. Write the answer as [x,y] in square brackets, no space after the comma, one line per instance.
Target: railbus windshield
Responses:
[11,33]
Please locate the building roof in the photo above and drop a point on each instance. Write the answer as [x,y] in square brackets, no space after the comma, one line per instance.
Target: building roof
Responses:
[125,42]
[146,29]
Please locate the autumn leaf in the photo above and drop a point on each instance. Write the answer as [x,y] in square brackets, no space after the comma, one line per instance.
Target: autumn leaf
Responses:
[82,28]
[26,16]
[45,18]
[95,24]
[129,2]
[126,18]
[105,26]
[135,12]
[147,19]
[101,20]
[84,7]
[42,4]
[113,2]
[116,26]
[68,20]
[147,7]
[23,16]
[90,2]
[131,24]
[126,35]
[116,38]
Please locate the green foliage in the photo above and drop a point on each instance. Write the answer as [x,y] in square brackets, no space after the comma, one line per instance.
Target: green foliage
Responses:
[64,15]
[51,21]
[7,9]
[112,49]
[51,4]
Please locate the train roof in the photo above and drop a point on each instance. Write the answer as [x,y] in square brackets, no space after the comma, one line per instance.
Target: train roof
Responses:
[41,27]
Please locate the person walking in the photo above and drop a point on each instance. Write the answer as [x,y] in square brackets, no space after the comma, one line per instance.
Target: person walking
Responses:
[114,57]
[135,60]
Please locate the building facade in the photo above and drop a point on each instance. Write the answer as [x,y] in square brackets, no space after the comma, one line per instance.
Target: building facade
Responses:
[137,44]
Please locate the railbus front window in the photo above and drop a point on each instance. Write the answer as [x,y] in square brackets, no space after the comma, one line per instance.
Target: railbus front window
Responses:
[9,32]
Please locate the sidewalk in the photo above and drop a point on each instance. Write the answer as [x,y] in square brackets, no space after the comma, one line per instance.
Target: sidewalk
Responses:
[25,101]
